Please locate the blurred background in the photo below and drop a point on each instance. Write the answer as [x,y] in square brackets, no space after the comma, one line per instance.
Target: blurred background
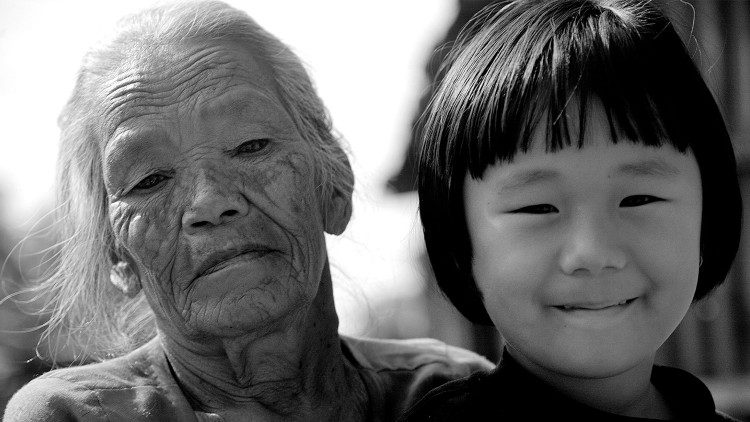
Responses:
[373,63]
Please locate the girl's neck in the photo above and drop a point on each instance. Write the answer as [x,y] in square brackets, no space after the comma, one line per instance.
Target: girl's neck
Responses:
[629,393]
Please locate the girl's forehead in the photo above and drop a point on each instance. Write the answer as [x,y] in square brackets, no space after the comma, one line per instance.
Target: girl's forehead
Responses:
[599,163]
[600,154]
[597,132]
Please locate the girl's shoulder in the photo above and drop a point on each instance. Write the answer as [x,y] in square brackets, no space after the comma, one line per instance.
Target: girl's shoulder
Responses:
[686,394]
[397,373]
[507,393]
[465,399]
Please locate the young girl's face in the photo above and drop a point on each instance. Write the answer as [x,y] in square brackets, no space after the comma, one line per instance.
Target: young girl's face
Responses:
[587,258]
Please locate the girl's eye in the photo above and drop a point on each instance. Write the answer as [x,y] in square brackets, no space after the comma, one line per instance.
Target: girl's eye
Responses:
[536,209]
[251,146]
[150,182]
[639,200]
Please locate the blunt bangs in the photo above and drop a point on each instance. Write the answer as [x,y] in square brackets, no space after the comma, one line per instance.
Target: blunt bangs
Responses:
[522,64]
[507,78]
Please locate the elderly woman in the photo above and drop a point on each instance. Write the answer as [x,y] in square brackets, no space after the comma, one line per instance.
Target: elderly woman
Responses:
[197,175]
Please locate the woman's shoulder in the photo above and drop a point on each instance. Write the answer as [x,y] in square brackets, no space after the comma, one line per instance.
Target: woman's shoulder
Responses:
[412,354]
[47,398]
[91,392]
[134,368]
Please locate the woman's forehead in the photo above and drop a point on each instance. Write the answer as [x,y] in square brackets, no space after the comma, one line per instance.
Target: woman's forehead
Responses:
[194,82]
[180,75]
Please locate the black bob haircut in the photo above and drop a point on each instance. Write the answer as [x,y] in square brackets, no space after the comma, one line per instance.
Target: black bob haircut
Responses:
[519,64]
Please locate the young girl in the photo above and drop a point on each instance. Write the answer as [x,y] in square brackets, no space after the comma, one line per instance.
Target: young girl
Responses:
[578,190]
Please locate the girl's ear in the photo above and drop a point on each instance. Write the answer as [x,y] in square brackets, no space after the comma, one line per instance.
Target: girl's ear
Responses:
[124,274]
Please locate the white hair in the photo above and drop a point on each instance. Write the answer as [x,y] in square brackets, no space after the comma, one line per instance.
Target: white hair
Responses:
[83,306]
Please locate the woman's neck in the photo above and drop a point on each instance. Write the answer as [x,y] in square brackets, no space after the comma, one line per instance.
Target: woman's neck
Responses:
[629,393]
[294,370]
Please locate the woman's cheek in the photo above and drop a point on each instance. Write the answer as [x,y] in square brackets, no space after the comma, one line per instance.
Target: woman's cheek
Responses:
[147,233]
[288,183]
[284,190]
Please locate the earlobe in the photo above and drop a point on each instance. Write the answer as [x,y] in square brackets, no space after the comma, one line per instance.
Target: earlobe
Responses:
[337,212]
[125,279]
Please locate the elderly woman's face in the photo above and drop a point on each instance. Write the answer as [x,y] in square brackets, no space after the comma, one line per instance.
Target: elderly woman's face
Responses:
[211,189]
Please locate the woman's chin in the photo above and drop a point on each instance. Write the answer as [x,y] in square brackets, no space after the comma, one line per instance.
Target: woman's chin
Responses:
[241,312]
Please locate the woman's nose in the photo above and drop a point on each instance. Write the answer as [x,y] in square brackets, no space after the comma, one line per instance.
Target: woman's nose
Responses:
[215,202]
[591,248]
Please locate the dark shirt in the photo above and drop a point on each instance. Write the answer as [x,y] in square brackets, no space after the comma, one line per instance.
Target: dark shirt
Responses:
[511,393]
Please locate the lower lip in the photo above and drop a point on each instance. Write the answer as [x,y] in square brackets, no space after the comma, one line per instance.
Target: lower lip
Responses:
[610,313]
[239,259]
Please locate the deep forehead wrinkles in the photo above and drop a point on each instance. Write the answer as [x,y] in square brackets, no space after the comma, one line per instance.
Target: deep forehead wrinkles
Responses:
[176,76]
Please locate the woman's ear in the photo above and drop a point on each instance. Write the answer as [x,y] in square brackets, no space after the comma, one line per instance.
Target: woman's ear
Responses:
[124,275]
[337,210]
[337,199]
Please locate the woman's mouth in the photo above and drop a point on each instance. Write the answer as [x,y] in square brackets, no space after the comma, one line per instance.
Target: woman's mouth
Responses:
[219,261]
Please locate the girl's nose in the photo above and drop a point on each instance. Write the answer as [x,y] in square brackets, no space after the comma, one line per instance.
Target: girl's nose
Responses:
[591,248]
[215,201]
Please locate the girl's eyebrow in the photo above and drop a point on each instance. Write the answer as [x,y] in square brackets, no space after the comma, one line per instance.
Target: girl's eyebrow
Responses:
[526,178]
[651,167]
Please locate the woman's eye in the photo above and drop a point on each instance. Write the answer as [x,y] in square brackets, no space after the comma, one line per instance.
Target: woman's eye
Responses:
[251,146]
[536,209]
[150,182]
[638,200]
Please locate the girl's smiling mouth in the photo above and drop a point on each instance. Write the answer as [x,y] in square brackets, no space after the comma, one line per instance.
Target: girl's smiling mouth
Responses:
[595,306]
[597,315]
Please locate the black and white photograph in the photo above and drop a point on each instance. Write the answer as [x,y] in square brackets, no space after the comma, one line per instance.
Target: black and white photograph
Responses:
[331,210]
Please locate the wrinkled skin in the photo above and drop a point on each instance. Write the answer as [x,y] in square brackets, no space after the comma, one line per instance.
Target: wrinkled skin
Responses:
[212,192]
[201,158]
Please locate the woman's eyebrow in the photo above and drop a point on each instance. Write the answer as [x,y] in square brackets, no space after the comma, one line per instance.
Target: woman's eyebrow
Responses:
[257,109]
[241,103]
[651,167]
[132,142]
